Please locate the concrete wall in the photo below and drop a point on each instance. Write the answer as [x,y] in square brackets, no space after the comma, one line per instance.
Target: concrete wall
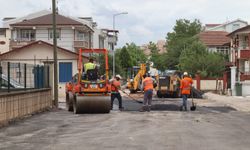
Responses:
[208,85]
[246,88]
[17,105]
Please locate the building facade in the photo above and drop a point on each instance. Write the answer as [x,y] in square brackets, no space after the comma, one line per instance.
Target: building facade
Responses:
[215,37]
[72,33]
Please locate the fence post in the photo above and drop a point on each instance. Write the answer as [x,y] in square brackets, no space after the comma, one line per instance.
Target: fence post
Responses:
[48,76]
[8,76]
[25,76]
[198,81]
[19,72]
[0,76]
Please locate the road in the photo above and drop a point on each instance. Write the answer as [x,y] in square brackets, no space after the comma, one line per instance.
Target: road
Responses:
[209,128]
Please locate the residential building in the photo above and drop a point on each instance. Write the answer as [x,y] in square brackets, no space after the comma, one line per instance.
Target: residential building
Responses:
[29,39]
[40,52]
[105,38]
[240,59]
[228,26]
[215,37]
[71,34]
[240,52]
[5,35]
[216,41]
[160,44]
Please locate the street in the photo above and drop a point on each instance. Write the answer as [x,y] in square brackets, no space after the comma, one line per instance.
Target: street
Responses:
[212,127]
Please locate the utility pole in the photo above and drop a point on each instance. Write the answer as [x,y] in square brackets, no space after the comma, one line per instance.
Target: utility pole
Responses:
[55,54]
[114,15]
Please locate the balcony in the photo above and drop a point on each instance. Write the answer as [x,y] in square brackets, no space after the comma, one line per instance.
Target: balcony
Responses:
[245,76]
[19,43]
[244,54]
[81,44]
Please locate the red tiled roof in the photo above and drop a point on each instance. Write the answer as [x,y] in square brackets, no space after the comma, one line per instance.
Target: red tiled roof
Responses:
[214,38]
[212,25]
[39,42]
[47,20]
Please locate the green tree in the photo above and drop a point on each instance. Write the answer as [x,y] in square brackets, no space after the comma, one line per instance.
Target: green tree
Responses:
[136,54]
[128,56]
[178,40]
[195,58]
[156,58]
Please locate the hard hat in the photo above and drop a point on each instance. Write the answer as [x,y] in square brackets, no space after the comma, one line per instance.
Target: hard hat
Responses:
[185,73]
[118,76]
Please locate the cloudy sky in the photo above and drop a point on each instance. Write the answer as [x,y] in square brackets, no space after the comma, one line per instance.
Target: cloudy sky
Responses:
[147,20]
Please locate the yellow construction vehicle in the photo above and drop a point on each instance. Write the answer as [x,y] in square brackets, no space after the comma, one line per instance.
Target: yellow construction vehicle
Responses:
[168,85]
[135,78]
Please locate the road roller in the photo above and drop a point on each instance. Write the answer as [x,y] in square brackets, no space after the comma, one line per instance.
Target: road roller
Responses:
[86,92]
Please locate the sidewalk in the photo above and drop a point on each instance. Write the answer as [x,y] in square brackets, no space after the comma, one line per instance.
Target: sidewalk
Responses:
[237,102]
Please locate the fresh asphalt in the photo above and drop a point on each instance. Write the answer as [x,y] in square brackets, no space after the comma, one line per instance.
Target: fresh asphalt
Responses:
[165,127]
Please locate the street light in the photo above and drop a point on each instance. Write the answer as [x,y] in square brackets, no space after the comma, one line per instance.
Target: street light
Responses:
[114,15]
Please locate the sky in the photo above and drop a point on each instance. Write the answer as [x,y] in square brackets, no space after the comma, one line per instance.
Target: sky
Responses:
[147,20]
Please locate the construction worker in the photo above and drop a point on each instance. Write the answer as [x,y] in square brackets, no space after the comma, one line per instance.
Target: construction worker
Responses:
[185,86]
[90,65]
[115,87]
[148,86]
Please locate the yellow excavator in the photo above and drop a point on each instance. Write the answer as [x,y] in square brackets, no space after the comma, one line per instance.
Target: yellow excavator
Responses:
[135,78]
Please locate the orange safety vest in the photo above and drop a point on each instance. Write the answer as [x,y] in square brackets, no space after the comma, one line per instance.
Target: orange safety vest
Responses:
[148,84]
[114,86]
[186,84]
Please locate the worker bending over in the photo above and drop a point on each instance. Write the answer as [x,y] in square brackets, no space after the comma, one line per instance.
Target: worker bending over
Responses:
[186,85]
[115,87]
[148,86]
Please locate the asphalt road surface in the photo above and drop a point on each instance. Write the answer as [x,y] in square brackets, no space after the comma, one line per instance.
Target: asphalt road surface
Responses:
[164,128]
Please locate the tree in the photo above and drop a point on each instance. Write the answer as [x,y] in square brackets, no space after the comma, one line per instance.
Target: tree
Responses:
[156,58]
[196,58]
[128,56]
[182,36]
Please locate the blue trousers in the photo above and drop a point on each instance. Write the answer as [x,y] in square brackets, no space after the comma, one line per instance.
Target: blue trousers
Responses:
[184,100]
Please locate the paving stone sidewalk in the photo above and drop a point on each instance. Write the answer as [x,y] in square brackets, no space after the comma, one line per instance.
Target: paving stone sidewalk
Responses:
[238,102]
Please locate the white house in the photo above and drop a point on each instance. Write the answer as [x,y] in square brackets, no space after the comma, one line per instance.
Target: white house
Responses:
[229,26]
[72,33]
[40,52]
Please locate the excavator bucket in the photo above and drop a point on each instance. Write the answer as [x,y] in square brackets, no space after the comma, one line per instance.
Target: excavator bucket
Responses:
[92,104]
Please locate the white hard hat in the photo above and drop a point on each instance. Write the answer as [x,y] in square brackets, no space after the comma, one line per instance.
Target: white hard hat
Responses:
[185,73]
[118,76]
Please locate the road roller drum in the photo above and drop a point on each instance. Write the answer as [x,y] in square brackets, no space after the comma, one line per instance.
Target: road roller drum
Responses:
[91,104]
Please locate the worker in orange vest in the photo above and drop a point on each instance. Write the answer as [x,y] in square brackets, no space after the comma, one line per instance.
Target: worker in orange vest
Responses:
[148,87]
[115,87]
[185,86]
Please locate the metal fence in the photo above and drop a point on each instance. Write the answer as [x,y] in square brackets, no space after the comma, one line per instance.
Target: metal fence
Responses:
[22,76]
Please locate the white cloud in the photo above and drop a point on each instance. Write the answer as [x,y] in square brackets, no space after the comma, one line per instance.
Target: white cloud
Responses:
[148,20]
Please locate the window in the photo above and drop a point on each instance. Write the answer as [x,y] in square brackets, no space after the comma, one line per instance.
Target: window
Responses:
[80,36]
[223,50]
[65,71]
[235,27]
[58,34]
[28,35]
[2,32]
[101,42]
